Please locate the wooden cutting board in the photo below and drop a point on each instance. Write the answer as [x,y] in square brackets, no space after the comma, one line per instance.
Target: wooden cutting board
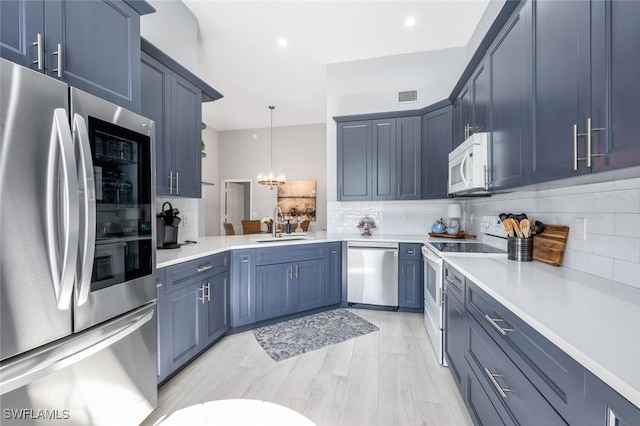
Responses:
[549,246]
[460,234]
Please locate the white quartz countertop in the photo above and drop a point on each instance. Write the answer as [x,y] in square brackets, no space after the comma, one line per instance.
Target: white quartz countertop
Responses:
[595,321]
[211,245]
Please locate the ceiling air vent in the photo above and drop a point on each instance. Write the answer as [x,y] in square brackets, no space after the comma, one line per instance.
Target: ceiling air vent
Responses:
[407,96]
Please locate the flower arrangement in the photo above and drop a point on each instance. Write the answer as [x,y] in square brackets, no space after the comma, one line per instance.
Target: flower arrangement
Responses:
[268,220]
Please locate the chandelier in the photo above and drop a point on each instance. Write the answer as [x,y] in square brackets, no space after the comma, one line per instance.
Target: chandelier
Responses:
[269,179]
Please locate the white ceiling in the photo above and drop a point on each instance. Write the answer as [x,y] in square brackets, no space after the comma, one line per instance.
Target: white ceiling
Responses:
[239,55]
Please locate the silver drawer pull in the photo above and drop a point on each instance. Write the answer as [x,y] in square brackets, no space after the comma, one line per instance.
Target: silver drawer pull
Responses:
[410,252]
[494,322]
[204,268]
[245,260]
[492,377]
[158,285]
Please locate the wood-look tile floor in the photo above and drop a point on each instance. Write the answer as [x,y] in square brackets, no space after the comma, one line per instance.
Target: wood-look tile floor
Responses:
[388,377]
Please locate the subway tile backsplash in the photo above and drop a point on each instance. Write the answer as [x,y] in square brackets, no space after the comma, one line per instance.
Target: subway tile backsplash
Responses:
[611,245]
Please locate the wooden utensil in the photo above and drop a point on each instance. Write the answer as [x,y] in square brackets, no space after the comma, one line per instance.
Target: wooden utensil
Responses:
[516,227]
[508,227]
[525,227]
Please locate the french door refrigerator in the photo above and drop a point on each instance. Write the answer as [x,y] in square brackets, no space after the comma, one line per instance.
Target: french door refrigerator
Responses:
[77,280]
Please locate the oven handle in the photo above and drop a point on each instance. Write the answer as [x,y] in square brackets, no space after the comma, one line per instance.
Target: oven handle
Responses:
[87,192]
[462,168]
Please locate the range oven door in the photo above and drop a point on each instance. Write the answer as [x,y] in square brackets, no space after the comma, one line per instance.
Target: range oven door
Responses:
[114,148]
[433,312]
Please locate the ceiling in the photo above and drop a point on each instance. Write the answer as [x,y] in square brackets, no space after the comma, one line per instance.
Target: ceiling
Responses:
[239,54]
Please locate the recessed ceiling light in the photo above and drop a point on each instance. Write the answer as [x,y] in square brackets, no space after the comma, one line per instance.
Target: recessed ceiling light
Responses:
[283,42]
[410,22]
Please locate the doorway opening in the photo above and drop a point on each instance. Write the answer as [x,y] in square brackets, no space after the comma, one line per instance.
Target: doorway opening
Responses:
[236,202]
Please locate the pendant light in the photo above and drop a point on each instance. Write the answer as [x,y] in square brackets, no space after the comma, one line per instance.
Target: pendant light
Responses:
[270,179]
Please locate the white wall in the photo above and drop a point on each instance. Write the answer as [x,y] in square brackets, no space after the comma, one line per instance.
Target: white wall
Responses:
[210,204]
[298,151]
[174,30]
[371,85]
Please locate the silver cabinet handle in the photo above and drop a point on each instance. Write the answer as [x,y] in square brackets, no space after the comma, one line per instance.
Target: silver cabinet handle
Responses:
[204,268]
[494,322]
[442,295]
[590,130]
[87,195]
[59,54]
[290,272]
[201,297]
[61,155]
[575,147]
[297,271]
[158,285]
[171,182]
[40,49]
[410,251]
[334,251]
[492,377]
[245,260]
[486,177]
[208,286]
[177,182]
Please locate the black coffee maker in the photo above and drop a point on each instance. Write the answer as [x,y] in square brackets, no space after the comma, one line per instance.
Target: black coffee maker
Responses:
[167,222]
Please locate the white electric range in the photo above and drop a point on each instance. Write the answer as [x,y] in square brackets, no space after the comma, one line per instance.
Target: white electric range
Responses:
[493,242]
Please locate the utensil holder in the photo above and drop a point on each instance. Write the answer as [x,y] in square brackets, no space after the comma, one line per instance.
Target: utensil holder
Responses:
[520,249]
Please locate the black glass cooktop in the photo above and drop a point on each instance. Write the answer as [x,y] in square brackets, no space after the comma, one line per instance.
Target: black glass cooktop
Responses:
[466,248]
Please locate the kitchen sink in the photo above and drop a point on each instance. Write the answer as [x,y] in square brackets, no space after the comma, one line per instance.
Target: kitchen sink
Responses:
[280,239]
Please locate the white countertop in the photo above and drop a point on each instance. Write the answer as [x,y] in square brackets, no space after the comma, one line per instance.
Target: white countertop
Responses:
[595,321]
[211,245]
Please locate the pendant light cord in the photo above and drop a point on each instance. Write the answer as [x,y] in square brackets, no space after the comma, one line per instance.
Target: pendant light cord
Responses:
[271,107]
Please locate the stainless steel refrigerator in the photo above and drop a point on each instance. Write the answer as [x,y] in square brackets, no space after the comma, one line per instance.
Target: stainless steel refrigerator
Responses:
[77,256]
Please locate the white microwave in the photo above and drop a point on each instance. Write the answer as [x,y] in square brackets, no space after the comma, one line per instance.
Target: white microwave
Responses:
[468,166]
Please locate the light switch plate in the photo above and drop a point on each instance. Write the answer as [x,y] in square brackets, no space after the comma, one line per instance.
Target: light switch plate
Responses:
[580,228]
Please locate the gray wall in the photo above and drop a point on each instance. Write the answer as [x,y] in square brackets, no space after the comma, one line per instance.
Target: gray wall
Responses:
[299,152]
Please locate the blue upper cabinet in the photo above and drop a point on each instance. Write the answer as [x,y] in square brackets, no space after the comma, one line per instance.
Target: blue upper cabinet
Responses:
[379,159]
[463,116]
[510,86]
[480,91]
[354,161]
[615,84]
[437,140]
[91,45]
[562,100]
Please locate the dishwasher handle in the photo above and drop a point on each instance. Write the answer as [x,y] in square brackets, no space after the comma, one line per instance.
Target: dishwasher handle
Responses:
[372,245]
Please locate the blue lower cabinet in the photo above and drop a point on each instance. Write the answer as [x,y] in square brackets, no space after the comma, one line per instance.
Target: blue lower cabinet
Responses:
[455,344]
[309,287]
[410,287]
[605,407]
[274,292]
[243,287]
[216,319]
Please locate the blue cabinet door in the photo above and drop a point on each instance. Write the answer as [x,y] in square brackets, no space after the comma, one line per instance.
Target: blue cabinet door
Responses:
[408,158]
[615,68]
[410,292]
[437,142]
[186,128]
[156,105]
[309,285]
[562,97]
[334,275]
[384,159]
[480,95]
[160,282]
[243,287]
[95,46]
[179,324]
[604,406]
[510,63]
[21,22]
[216,318]
[274,294]
[464,115]
[354,161]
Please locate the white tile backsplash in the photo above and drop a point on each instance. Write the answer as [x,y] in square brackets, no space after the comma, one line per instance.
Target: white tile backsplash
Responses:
[610,249]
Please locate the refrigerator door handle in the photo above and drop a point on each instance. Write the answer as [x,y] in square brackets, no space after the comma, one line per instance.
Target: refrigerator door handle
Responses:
[87,194]
[62,257]
[45,363]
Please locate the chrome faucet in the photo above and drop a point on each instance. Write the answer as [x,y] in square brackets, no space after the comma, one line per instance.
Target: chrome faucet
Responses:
[275,220]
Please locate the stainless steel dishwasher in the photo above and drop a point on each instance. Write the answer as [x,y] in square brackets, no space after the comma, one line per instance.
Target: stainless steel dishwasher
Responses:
[372,273]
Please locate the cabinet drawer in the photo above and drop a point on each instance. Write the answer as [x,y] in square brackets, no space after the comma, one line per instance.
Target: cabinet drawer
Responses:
[410,251]
[454,281]
[554,373]
[177,276]
[500,377]
[286,254]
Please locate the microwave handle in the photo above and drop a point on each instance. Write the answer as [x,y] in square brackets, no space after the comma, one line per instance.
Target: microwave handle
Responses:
[462,169]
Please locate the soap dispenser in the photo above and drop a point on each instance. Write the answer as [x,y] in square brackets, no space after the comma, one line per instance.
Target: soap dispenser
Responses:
[288,227]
